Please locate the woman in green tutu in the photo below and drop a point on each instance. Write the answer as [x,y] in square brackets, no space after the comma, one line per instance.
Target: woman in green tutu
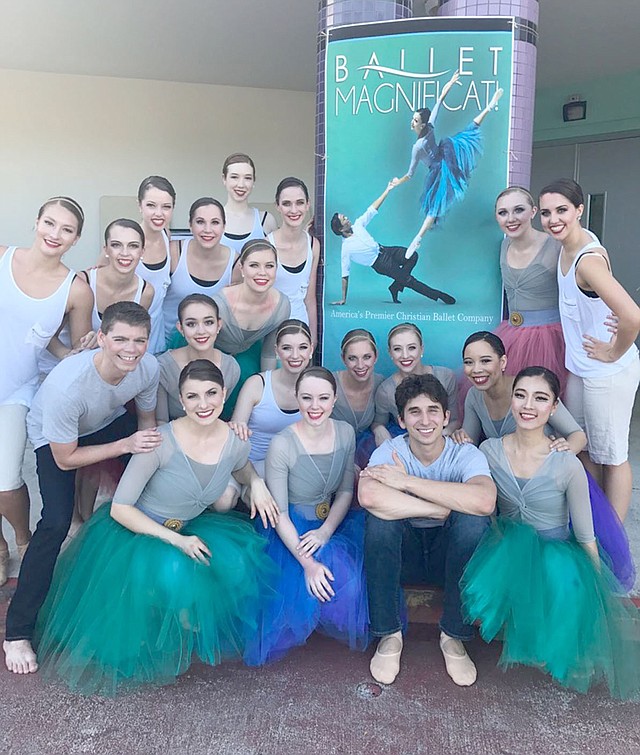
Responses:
[542,590]
[155,577]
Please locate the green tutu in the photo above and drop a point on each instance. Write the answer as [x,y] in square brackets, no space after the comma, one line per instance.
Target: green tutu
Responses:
[553,609]
[127,609]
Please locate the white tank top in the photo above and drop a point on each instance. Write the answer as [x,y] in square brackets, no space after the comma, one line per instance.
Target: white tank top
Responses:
[182,284]
[160,280]
[26,327]
[295,285]
[96,317]
[581,314]
[237,240]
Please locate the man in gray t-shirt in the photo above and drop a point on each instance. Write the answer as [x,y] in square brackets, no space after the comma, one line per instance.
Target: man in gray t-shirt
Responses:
[428,502]
[78,418]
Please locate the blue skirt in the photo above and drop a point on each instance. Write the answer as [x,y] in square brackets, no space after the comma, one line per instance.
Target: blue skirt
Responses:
[448,176]
[290,619]
[126,609]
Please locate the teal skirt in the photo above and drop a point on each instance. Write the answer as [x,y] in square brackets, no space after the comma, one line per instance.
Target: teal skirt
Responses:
[126,609]
[553,609]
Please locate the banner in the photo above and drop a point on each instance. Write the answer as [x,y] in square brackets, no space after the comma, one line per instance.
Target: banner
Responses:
[415,127]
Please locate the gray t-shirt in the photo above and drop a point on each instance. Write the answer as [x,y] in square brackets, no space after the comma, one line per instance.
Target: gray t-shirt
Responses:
[166,484]
[456,463]
[75,401]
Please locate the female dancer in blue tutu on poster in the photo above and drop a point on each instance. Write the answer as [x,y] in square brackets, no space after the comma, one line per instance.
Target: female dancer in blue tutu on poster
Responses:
[155,578]
[317,542]
[532,582]
[449,162]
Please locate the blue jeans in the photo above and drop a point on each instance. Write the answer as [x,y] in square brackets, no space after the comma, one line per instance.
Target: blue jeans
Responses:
[395,552]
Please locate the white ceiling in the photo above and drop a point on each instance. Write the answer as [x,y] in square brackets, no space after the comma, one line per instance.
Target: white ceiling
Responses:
[266,43]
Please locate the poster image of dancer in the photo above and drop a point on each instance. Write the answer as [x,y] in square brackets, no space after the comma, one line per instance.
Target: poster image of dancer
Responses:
[395,262]
[425,250]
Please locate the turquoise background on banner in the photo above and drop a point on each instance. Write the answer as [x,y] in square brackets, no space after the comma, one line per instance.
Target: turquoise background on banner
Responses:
[367,149]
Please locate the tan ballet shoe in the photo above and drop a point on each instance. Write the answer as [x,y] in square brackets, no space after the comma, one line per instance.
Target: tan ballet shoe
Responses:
[385,664]
[458,664]
[22,549]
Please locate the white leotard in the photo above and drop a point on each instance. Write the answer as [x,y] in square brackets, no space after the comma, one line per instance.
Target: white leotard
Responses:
[96,317]
[295,285]
[182,284]
[160,280]
[237,240]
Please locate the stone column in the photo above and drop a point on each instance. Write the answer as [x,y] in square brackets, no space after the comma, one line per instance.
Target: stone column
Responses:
[524,72]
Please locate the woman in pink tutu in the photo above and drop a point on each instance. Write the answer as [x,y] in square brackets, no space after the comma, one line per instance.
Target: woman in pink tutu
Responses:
[528,260]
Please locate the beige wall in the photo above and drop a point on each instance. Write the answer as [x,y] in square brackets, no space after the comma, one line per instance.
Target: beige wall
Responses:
[88,136]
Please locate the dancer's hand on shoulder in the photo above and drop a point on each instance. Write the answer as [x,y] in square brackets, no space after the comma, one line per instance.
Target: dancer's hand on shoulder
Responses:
[143,441]
[241,429]
[460,437]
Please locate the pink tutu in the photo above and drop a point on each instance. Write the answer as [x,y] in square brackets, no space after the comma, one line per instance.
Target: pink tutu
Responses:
[538,345]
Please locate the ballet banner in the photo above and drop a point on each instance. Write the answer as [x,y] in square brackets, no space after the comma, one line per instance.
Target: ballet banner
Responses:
[417,120]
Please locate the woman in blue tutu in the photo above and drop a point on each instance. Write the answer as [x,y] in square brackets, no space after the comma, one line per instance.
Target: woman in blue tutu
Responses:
[317,542]
[155,578]
[449,162]
[487,413]
[356,387]
[534,583]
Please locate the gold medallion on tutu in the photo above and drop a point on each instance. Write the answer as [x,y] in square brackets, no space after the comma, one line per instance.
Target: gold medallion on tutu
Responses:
[322,510]
[173,524]
[516,319]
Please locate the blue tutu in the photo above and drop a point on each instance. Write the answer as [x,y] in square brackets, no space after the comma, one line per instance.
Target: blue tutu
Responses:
[290,619]
[611,536]
[448,176]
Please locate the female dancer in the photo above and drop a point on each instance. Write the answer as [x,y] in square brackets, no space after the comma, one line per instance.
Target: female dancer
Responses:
[245,223]
[124,245]
[487,413]
[204,265]
[406,351]
[356,389]
[267,401]
[298,253]
[199,323]
[154,578]
[604,370]
[252,310]
[156,199]
[528,262]
[544,592]
[449,162]
[38,292]
[317,542]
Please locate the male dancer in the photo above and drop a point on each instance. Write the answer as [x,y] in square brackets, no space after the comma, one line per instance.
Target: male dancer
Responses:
[393,261]
[78,418]
[428,502]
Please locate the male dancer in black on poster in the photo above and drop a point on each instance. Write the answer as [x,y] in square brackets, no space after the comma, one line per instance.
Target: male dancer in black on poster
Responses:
[393,261]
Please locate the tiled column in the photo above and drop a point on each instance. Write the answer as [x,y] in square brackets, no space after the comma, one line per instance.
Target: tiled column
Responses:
[338,13]
[524,72]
